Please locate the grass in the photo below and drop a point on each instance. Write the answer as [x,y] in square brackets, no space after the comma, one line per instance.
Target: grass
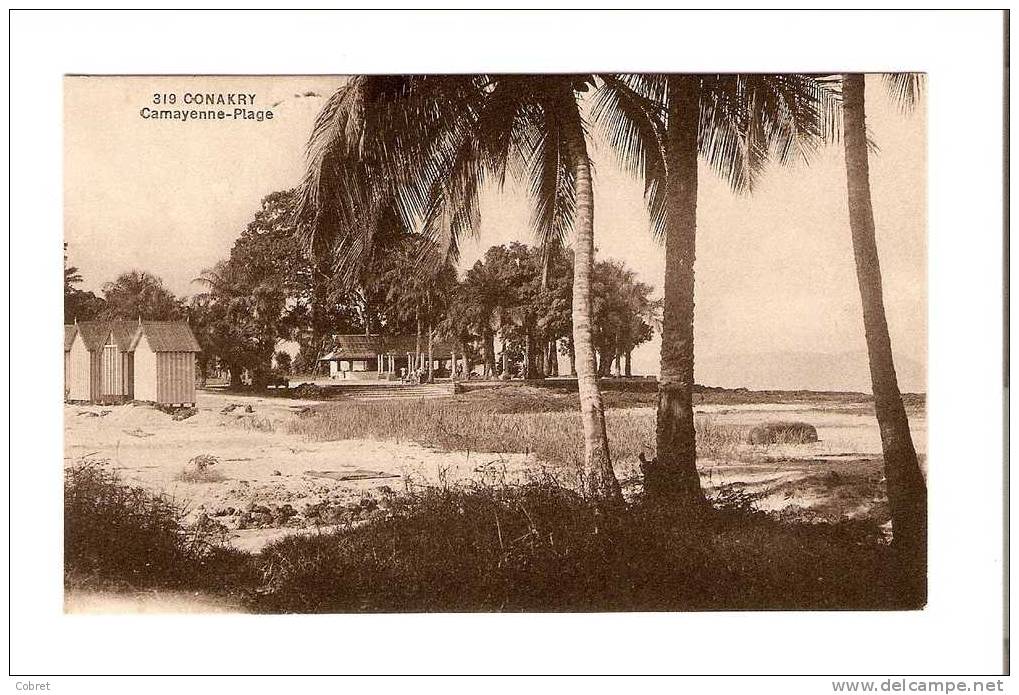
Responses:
[535,547]
[540,548]
[121,536]
[557,395]
[458,424]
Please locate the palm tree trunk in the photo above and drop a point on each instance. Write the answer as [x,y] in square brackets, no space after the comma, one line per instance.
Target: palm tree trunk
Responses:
[528,354]
[627,360]
[540,352]
[488,337]
[599,478]
[673,475]
[431,360]
[907,491]
[505,357]
[417,346]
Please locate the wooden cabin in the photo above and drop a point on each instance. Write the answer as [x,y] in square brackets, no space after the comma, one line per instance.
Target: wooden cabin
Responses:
[117,361]
[164,362]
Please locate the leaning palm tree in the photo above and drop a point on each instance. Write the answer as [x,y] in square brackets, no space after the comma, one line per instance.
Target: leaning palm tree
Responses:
[660,125]
[420,148]
[907,490]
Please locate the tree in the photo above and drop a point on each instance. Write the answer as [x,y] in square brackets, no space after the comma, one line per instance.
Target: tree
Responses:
[624,313]
[266,290]
[234,324]
[419,148]
[660,125]
[907,490]
[78,304]
[554,309]
[421,298]
[483,294]
[138,294]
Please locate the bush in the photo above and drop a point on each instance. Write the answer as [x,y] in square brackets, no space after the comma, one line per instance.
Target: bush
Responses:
[116,535]
[541,548]
[782,433]
[199,470]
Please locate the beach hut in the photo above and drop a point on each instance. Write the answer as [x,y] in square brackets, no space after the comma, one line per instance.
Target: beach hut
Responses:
[98,362]
[69,332]
[164,362]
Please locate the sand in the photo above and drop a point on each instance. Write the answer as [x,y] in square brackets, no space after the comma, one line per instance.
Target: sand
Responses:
[265,483]
[257,469]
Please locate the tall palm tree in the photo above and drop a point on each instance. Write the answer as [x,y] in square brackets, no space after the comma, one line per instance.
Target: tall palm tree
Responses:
[907,490]
[660,125]
[420,148]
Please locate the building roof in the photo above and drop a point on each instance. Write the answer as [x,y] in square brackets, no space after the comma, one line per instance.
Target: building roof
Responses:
[95,333]
[364,347]
[168,336]
[163,336]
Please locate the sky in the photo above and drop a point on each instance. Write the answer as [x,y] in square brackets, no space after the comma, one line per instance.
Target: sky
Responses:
[776,284]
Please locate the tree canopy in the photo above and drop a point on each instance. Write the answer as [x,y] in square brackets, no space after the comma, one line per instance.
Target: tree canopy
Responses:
[79,305]
[139,294]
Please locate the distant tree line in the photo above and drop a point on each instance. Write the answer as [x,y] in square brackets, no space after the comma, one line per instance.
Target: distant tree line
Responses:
[509,315]
[133,295]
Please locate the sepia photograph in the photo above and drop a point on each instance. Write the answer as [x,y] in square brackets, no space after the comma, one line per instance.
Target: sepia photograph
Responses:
[476,344]
[495,342]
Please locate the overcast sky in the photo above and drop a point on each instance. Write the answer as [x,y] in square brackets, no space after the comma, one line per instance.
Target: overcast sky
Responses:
[775,270]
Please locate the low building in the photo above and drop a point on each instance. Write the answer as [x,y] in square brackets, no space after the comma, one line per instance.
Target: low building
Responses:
[99,361]
[385,357]
[117,361]
[69,333]
[164,362]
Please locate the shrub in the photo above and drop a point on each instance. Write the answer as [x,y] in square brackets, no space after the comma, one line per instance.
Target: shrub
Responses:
[541,548]
[782,433]
[116,535]
[199,470]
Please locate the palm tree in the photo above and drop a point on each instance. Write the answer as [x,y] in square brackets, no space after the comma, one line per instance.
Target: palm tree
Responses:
[907,490]
[137,293]
[417,296]
[660,125]
[420,148]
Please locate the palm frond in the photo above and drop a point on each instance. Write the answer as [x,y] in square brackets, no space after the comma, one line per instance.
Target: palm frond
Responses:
[747,120]
[905,88]
[552,186]
[628,110]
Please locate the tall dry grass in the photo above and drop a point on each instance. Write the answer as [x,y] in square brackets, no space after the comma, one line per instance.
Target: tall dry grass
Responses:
[553,437]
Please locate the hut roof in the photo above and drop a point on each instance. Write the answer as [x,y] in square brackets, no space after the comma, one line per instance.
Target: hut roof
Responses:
[362,347]
[163,336]
[95,333]
[167,336]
